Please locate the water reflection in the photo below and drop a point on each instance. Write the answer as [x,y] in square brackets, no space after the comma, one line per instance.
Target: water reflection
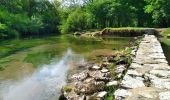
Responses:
[44,84]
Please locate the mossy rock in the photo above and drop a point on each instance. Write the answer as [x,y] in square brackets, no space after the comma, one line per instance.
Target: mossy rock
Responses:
[77,33]
[68,88]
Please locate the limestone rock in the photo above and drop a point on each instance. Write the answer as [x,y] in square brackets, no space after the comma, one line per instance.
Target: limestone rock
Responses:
[104,70]
[130,82]
[134,73]
[161,73]
[121,94]
[95,67]
[112,83]
[89,86]
[120,68]
[164,95]
[96,74]
[99,76]
[161,83]
[135,65]
[80,77]
[102,94]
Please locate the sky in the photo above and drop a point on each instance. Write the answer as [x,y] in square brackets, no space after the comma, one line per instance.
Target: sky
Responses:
[67,2]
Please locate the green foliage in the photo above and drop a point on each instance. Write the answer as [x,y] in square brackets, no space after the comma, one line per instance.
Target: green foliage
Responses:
[111,90]
[76,21]
[166,32]
[160,10]
[23,18]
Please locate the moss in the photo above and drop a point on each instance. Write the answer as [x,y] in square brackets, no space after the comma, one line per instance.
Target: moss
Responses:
[1,68]
[126,32]
[127,28]
[68,88]
[39,58]
[109,97]
[158,75]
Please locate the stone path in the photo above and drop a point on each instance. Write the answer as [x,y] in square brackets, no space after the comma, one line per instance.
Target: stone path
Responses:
[148,77]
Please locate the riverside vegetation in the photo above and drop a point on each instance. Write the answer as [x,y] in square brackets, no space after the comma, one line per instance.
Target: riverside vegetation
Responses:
[25,18]
[38,32]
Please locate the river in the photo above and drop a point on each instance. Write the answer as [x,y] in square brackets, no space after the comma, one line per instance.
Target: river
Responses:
[37,68]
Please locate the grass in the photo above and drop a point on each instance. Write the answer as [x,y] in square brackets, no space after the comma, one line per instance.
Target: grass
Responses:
[127,28]
[166,48]
[166,32]
[110,91]
[125,32]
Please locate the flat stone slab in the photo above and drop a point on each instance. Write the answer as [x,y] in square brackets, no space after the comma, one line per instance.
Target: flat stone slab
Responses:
[135,65]
[132,82]
[149,67]
[161,83]
[134,73]
[144,93]
[102,94]
[161,73]
[121,94]
[164,95]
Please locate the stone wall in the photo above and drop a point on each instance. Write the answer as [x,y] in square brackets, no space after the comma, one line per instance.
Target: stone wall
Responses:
[148,77]
[128,32]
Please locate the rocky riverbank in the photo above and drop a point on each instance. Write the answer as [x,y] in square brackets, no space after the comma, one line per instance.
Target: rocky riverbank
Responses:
[100,80]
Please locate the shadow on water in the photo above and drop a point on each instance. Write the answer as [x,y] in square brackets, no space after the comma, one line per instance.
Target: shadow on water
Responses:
[45,83]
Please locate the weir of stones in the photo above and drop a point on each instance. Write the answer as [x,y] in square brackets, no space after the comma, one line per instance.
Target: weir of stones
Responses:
[148,77]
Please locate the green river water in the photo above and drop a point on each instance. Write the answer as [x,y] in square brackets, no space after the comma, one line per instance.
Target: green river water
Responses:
[35,69]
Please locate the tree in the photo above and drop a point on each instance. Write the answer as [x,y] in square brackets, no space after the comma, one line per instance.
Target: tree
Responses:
[160,10]
[76,21]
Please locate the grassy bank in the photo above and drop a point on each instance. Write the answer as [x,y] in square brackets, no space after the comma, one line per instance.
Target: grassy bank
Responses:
[122,32]
[166,32]
[165,42]
[128,31]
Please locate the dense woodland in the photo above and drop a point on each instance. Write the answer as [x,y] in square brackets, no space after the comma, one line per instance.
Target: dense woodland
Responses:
[23,18]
